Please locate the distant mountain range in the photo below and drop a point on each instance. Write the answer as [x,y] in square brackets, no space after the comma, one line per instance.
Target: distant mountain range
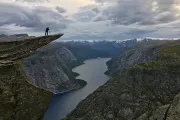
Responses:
[119,41]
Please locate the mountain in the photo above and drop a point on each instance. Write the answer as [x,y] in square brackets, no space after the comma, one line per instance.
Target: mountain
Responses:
[3,35]
[51,67]
[20,100]
[144,90]
[143,51]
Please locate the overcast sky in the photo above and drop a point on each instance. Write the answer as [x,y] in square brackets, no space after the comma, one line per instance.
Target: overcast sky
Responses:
[92,19]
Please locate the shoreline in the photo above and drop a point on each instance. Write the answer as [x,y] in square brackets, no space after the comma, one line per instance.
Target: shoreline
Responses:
[67,96]
[77,74]
[61,93]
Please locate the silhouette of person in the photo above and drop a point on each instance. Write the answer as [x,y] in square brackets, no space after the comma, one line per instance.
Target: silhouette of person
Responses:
[47,31]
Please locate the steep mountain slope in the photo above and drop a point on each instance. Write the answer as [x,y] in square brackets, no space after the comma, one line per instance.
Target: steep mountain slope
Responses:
[54,62]
[143,51]
[20,100]
[140,92]
[53,65]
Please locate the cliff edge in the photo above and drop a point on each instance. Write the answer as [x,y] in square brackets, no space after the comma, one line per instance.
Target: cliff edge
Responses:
[20,100]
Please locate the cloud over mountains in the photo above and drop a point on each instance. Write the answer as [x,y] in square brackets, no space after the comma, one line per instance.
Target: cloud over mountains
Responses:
[119,19]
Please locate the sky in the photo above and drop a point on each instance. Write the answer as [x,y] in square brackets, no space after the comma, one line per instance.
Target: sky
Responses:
[92,19]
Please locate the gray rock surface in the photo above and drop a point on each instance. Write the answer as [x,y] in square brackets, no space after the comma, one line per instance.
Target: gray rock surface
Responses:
[50,68]
[174,111]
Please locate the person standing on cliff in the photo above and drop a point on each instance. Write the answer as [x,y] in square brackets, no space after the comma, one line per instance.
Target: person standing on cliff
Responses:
[47,31]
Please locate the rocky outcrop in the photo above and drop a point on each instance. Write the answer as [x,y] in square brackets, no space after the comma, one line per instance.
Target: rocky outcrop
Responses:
[20,100]
[167,112]
[173,112]
[142,91]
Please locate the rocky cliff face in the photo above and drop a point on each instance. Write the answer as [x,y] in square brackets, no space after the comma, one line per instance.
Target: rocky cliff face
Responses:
[53,65]
[143,91]
[166,112]
[143,51]
[20,100]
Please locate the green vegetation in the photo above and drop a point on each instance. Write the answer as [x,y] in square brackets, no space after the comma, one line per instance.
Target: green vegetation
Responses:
[20,100]
[138,90]
[144,51]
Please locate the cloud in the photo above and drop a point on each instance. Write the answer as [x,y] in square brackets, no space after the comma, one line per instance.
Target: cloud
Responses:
[105,1]
[86,13]
[36,18]
[32,1]
[84,16]
[101,19]
[142,12]
[61,10]
[96,10]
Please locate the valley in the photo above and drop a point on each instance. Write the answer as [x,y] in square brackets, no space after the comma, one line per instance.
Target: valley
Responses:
[54,63]
[144,82]
[146,89]
[90,60]
[93,73]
